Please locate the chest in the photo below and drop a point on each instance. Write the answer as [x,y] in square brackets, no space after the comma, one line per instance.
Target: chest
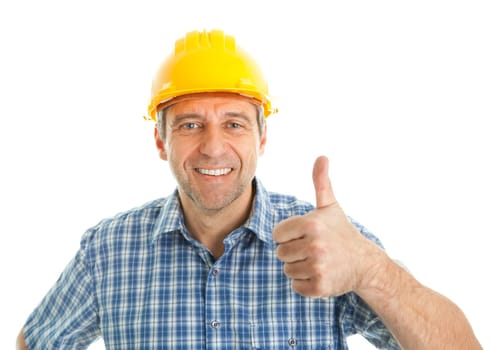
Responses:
[174,295]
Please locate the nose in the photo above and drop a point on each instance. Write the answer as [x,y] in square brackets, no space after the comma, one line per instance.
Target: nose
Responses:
[213,142]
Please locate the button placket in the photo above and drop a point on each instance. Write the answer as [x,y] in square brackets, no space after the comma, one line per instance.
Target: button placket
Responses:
[215,323]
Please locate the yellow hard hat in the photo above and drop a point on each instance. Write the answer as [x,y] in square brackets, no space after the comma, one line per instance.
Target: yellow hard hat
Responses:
[208,62]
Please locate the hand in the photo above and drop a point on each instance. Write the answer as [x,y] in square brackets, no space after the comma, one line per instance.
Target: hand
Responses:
[323,253]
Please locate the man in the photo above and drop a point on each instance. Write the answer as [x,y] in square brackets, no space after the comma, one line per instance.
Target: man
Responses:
[222,263]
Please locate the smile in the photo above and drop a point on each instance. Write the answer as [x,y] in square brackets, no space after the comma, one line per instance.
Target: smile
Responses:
[214,172]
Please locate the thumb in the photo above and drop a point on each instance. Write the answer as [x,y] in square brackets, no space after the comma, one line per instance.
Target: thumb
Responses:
[321,180]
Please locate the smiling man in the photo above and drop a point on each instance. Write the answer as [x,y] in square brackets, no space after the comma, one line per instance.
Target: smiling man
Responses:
[222,263]
[213,143]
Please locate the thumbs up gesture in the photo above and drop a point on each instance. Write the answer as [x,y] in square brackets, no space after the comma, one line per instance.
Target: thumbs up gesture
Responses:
[323,253]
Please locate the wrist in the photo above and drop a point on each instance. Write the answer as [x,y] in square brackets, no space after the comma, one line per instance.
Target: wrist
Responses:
[381,278]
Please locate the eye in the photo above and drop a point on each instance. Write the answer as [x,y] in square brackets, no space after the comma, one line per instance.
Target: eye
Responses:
[234,125]
[189,126]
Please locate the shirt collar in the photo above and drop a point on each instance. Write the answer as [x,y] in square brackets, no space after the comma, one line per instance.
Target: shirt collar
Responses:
[261,217]
[171,218]
[260,220]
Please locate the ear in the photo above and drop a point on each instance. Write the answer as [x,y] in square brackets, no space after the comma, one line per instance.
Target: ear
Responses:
[160,144]
[263,140]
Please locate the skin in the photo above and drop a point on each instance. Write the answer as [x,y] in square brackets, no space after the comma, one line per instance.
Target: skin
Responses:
[323,253]
[21,342]
[213,133]
[325,256]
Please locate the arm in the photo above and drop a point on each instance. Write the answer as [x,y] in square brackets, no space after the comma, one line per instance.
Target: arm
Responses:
[417,316]
[325,255]
[21,342]
[67,314]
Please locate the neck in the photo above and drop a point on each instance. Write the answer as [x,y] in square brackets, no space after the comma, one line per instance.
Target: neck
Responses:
[211,227]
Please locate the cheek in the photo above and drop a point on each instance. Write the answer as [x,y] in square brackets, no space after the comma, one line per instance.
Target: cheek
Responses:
[251,152]
[178,151]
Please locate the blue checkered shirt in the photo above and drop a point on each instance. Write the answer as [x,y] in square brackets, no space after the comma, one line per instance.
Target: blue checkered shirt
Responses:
[141,281]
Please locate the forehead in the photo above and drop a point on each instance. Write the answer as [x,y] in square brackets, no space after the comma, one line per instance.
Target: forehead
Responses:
[217,103]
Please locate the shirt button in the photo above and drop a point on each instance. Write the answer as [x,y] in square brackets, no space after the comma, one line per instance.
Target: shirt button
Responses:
[214,272]
[215,324]
[292,341]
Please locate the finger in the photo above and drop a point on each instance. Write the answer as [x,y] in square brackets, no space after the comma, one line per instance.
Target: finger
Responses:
[307,288]
[288,230]
[298,270]
[292,251]
[321,181]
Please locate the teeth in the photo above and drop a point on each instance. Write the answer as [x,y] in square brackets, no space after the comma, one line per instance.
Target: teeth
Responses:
[214,172]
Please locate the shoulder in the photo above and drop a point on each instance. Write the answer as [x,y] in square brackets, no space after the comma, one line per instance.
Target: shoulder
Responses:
[135,223]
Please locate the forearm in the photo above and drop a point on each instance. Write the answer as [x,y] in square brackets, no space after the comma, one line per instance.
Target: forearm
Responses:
[418,317]
[21,342]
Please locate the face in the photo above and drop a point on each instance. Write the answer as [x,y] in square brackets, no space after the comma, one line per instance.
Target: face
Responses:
[212,145]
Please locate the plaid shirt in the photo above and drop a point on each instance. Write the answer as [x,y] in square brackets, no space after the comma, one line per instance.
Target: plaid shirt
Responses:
[141,281]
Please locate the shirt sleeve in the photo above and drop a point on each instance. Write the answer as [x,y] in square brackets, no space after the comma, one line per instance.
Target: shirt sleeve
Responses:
[358,318]
[67,316]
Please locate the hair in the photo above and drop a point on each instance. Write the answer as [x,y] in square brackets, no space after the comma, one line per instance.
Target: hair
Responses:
[162,116]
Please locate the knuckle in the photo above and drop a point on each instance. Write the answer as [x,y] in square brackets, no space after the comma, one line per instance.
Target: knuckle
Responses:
[300,288]
[316,290]
[287,269]
[276,234]
[317,271]
[311,289]
[312,226]
[280,252]
[317,249]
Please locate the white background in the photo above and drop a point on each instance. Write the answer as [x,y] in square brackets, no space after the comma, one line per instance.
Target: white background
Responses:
[395,93]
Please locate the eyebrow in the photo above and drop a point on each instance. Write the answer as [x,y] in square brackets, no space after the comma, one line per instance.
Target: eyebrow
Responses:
[184,116]
[240,115]
[197,116]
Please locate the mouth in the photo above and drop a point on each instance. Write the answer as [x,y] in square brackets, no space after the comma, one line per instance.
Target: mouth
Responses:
[214,172]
